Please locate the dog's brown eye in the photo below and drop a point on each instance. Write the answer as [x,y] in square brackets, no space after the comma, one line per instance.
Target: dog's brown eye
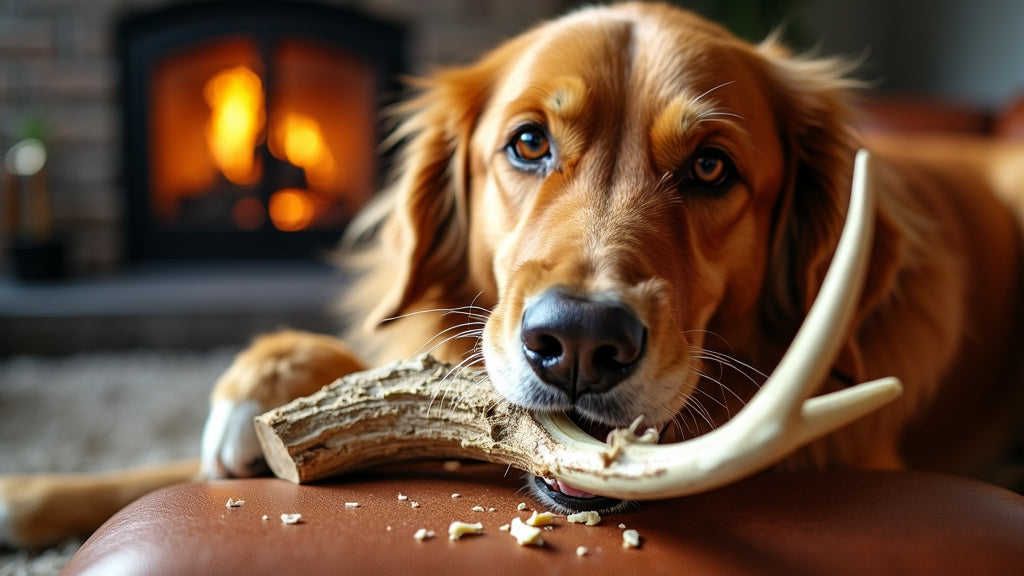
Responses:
[711,169]
[708,169]
[530,150]
[532,145]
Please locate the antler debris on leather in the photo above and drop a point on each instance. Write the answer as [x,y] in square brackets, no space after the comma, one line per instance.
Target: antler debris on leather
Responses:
[424,409]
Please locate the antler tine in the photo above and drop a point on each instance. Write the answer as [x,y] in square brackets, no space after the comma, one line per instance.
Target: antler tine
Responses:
[780,418]
[819,340]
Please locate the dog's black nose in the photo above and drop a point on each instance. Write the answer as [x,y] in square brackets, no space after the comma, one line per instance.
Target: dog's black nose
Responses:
[581,345]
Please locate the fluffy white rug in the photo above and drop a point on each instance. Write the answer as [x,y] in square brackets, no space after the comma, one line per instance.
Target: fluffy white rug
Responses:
[99,411]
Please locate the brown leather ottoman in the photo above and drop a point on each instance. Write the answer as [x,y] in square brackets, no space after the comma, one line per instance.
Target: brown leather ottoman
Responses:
[853,522]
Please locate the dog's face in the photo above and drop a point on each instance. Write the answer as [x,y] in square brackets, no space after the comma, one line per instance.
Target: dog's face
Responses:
[624,185]
[625,189]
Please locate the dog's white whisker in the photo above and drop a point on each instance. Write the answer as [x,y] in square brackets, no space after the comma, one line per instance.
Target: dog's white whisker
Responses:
[471,311]
[470,315]
[450,377]
[697,408]
[721,115]
[473,356]
[724,365]
[734,363]
[706,333]
[469,330]
[716,88]
[723,362]
[722,403]
[681,425]
[704,368]
[726,361]
[708,120]
[440,311]
[686,417]
[468,361]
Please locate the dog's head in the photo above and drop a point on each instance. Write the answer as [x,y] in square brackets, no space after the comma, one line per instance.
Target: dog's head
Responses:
[625,189]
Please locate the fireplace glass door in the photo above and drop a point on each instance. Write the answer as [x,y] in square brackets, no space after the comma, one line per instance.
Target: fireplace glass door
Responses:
[252,142]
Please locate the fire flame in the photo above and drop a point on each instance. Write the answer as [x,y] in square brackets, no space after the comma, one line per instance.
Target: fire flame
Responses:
[237,118]
[298,139]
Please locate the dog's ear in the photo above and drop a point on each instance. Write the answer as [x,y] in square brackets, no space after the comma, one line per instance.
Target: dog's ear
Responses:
[427,226]
[811,98]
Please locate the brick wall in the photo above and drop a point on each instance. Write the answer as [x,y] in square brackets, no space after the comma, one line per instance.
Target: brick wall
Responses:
[58,64]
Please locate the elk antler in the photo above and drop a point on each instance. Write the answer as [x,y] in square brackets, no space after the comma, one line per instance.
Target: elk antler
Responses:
[426,409]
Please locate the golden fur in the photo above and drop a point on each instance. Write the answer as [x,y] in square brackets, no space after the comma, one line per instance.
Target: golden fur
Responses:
[628,104]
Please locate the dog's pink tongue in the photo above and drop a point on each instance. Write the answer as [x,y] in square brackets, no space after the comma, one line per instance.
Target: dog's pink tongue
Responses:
[568,490]
[596,431]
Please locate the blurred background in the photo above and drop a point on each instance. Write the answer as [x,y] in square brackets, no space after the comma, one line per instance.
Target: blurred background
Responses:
[173,172]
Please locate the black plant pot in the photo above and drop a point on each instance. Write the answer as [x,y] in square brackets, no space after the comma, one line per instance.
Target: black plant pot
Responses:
[38,260]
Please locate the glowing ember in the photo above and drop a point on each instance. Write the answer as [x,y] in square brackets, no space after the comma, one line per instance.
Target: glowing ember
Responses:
[248,214]
[291,209]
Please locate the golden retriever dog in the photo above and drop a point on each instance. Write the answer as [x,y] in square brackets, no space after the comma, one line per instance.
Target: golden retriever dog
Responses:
[628,211]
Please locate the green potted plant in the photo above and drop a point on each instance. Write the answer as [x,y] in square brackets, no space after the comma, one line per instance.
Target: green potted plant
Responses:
[36,252]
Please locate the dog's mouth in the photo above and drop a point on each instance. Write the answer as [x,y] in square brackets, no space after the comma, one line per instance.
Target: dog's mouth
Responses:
[561,498]
[564,498]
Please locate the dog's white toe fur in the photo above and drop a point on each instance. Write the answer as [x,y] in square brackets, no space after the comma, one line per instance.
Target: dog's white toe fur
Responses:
[6,529]
[230,446]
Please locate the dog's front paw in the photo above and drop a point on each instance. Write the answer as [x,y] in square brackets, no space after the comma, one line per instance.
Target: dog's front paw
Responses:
[26,513]
[276,369]
[7,528]
[230,447]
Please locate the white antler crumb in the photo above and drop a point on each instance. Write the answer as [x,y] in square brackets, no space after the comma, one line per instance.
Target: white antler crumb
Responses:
[458,529]
[590,518]
[525,535]
[540,518]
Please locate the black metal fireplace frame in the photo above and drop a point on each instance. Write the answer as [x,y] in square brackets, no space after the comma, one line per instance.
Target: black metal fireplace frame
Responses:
[145,38]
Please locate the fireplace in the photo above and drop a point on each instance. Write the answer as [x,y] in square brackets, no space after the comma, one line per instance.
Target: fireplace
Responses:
[251,128]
